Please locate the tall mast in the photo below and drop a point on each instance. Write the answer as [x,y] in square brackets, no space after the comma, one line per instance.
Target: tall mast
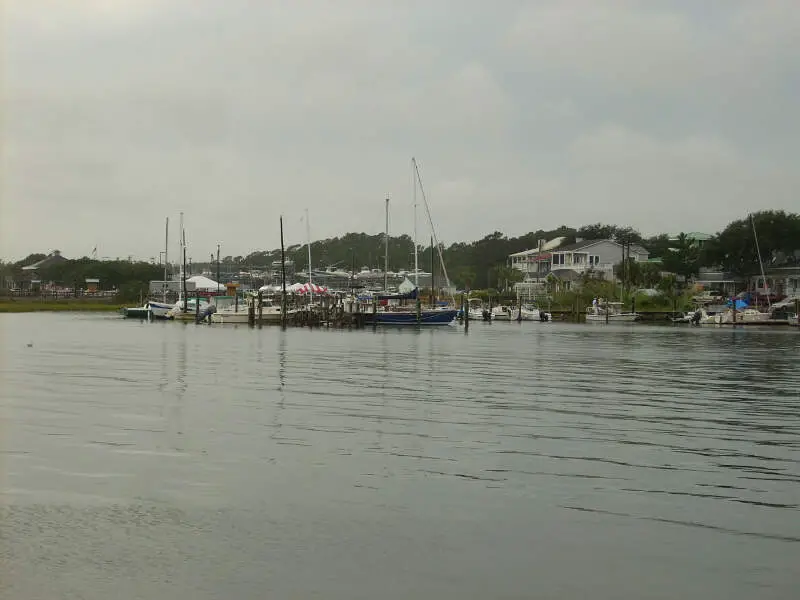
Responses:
[386,251]
[308,235]
[166,262]
[183,268]
[416,256]
[182,261]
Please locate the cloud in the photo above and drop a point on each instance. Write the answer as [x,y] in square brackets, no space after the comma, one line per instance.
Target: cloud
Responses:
[704,180]
[523,115]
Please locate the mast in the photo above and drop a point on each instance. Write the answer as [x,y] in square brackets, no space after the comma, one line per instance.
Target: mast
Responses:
[166,262]
[416,257]
[183,268]
[217,269]
[283,278]
[308,235]
[760,262]
[433,277]
[386,251]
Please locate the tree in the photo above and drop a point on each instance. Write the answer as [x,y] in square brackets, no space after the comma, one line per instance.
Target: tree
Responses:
[600,231]
[463,277]
[683,257]
[658,245]
[734,249]
[505,277]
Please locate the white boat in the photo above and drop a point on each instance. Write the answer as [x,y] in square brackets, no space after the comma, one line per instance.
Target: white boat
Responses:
[177,311]
[531,313]
[609,312]
[158,310]
[476,310]
[233,313]
[479,314]
[502,313]
[793,320]
[747,316]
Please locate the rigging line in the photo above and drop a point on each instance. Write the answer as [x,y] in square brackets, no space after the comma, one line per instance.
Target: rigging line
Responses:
[760,262]
[433,229]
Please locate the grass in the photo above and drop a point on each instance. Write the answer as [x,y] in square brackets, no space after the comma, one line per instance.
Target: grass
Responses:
[21,306]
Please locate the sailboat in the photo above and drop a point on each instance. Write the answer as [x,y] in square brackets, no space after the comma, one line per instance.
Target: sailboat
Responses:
[738,312]
[396,311]
[153,309]
[186,308]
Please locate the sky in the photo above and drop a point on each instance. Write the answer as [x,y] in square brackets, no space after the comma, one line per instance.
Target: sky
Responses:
[522,115]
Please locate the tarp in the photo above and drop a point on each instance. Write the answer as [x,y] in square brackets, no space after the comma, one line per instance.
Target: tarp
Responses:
[740,304]
[205,284]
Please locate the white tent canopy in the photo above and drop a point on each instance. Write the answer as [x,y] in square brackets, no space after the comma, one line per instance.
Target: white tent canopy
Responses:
[204,284]
[406,286]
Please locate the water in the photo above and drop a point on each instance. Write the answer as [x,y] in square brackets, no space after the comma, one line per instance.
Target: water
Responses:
[166,460]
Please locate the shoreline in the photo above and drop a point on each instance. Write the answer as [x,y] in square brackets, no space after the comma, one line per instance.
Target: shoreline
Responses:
[26,306]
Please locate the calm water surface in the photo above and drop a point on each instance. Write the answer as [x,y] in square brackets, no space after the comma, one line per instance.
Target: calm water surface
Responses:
[166,461]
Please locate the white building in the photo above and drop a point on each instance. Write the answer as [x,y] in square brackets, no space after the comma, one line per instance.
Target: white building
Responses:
[535,263]
[568,263]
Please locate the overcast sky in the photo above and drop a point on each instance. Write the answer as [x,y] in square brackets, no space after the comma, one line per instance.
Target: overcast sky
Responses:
[667,116]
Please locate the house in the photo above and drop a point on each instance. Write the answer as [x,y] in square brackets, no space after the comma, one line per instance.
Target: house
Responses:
[31,274]
[696,239]
[569,263]
[92,285]
[51,259]
[781,282]
[534,264]
[598,257]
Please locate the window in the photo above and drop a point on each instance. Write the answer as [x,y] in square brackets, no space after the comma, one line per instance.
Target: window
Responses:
[558,259]
[594,260]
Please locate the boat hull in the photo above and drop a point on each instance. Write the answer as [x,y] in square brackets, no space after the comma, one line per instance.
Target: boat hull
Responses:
[271,316]
[159,310]
[618,318]
[426,318]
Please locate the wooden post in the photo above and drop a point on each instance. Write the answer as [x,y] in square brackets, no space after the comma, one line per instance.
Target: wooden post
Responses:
[197,309]
[260,300]
[465,303]
[733,308]
[674,304]
[797,311]
[607,311]
[251,312]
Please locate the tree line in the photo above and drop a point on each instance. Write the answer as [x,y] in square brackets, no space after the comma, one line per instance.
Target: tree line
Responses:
[484,263]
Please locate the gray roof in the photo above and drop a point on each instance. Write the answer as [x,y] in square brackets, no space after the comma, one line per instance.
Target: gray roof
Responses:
[51,259]
[580,245]
[635,248]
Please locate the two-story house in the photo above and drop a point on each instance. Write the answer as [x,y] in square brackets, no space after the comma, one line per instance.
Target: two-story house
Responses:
[568,263]
[595,256]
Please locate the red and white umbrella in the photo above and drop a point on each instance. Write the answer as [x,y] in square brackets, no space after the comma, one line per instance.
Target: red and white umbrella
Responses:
[312,287]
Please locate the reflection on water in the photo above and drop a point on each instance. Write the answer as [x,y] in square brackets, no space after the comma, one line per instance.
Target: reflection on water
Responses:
[166,460]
